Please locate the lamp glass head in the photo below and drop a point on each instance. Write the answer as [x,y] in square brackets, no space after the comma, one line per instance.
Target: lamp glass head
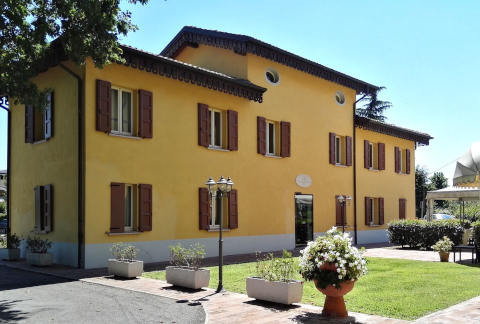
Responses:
[229,184]
[210,185]
[222,184]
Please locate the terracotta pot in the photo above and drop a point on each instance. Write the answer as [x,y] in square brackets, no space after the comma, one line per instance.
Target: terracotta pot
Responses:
[444,256]
[334,303]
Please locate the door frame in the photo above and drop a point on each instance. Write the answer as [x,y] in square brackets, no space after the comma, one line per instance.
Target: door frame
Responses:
[295,217]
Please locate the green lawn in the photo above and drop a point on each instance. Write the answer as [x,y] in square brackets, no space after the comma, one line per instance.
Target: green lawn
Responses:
[395,288]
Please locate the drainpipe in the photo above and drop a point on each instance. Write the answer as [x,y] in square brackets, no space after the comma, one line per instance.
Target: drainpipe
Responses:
[355,234]
[9,179]
[80,171]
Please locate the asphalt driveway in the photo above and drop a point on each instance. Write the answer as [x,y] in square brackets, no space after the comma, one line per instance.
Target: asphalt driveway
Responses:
[28,297]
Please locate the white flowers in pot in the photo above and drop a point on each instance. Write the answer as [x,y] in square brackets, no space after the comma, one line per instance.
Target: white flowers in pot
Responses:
[185,270]
[10,247]
[37,254]
[274,280]
[443,247]
[124,265]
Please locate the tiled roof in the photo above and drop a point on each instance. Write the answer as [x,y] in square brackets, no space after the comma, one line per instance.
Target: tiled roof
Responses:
[242,44]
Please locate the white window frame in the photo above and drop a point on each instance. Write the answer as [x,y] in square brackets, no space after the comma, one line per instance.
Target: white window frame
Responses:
[214,213]
[119,111]
[267,138]
[129,228]
[372,161]
[372,209]
[212,128]
[338,150]
[400,160]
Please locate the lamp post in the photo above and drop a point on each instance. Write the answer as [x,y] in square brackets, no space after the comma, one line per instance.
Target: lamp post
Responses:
[342,200]
[219,188]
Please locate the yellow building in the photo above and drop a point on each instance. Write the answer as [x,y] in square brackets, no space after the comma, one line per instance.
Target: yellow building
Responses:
[122,153]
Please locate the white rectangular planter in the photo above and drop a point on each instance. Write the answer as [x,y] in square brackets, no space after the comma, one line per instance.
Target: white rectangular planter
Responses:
[125,269]
[275,291]
[188,278]
[40,259]
[10,254]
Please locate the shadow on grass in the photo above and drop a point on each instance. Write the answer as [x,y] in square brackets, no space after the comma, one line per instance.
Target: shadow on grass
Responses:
[9,315]
[318,318]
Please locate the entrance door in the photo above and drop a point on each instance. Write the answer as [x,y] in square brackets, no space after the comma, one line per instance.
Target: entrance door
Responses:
[303,219]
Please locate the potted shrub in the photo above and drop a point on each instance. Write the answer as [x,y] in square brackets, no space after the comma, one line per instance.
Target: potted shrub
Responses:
[334,265]
[443,247]
[186,271]
[10,247]
[124,265]
[37,254]
[274,280]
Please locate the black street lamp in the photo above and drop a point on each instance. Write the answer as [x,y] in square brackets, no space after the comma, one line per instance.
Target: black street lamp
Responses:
[343,200]
[219,189]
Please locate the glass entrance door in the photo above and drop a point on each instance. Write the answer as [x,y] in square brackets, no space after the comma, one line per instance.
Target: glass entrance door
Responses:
[303,219]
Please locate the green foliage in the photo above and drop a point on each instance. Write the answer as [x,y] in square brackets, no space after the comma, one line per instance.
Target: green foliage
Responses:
[190,257]
[88,28]
[439,181]
[13,241]
[37,245]
[472,210]
[421,188]
[424,234]
[476,232]
[3,242]
[3,207]
[374,108]
[443,245]
[276,269]
[124,252]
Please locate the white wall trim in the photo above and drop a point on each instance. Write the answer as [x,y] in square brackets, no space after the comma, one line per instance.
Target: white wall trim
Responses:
[63,252]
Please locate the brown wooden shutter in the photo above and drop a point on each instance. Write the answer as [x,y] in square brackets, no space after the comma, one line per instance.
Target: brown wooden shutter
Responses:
[233,209]
[117,207]
[29,124]
[366,154]
[261,135]
[397,159]
[380,211]
[47,208]
[145,207]
[48,117]
[402,208]
[204,208]
[232,117]
[338,212]
[104,106]
[331,148]
[145,114]
[285,139]
[348,144]
[203,125]
[407,161]
[38,208]
[368,210]
[381,156]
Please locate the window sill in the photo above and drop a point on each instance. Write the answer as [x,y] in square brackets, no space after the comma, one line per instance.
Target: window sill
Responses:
[374,225]
[213,148]
[39,142]
[341,165]
[273,156]
[374,170]
[124,136]
[340,226]
[213,229]
[123,233]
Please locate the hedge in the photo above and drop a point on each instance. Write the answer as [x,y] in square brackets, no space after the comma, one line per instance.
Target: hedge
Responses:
[423,234]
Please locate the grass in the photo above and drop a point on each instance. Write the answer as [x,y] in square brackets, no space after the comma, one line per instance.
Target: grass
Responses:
[402,289]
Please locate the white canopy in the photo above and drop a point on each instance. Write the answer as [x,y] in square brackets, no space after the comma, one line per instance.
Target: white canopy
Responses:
[468,166]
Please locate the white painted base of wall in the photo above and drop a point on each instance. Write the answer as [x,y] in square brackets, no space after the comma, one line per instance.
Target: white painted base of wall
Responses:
[365,237]
[97,255]
[63,253]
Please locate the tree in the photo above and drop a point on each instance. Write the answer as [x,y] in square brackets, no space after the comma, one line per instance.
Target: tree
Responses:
[86,28]
[421,188]
[373,108]
[439,181]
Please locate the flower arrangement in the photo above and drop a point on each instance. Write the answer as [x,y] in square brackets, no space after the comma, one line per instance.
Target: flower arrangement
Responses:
[333,249]
[443,245]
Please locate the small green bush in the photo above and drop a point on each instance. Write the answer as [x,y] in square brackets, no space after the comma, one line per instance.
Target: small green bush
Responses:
[123,252]
[276,269]
[423,234]
[37,245]
[191,257]
[3,207]
[443,245]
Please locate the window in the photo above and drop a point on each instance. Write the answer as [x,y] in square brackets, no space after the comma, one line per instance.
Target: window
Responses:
[340,148]
[216,128]
[43,208]
[272,76]
[122,111]
[219,207]
[271,139]
[340,98]
[39,122]
[211,209]
[402,160]
[402,204]
[374,211]
[130,208]
[374,154]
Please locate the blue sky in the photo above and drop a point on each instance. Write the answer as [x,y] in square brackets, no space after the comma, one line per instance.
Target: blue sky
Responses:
[425,52]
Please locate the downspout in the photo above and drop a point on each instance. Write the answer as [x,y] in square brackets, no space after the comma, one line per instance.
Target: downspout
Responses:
[80,171]
[9,178]
[355,234]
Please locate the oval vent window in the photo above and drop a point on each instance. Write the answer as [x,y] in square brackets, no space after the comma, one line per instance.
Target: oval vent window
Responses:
[272,76]
[340,98]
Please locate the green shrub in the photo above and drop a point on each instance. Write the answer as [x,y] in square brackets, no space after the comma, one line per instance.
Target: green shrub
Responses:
[443,245]
[37,245]
[476,232]
[3,207]
[276,269]
[191,257]
[423,234]
[124,252]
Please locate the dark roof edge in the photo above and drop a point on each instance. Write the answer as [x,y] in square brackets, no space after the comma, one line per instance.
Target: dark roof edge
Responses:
[241,44]
[392,130]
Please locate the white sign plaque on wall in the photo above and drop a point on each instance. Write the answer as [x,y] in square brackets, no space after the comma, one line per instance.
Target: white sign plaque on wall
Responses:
[304,180]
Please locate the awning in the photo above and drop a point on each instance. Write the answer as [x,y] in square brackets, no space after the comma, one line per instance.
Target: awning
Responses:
[468,166]
[454,193]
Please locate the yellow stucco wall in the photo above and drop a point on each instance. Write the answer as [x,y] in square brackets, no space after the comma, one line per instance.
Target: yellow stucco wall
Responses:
[50,162]
[386,183]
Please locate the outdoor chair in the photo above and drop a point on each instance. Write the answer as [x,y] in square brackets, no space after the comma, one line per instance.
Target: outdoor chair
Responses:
[471,246]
